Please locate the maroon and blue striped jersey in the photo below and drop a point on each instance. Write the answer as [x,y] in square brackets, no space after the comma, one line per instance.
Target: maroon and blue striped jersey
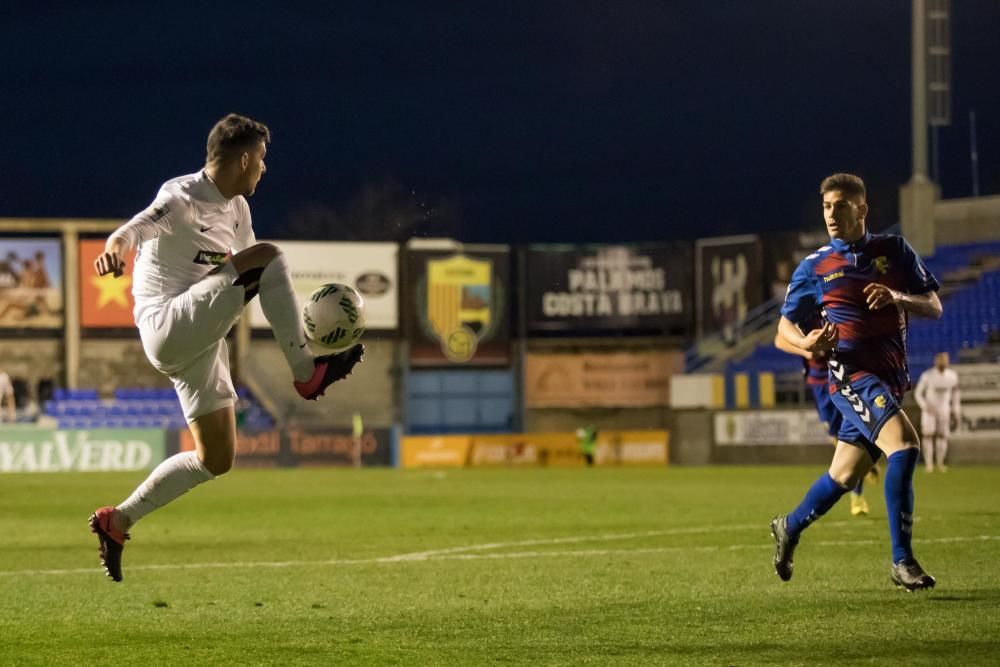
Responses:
[832,280]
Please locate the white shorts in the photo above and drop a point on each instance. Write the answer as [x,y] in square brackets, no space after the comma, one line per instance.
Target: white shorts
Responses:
[935,423]
[184,339]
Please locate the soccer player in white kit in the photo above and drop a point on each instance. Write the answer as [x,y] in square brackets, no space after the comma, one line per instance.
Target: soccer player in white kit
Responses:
[198,265]
[939,399]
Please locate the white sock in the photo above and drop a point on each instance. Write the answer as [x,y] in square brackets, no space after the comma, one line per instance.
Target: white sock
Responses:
[281,308]
[168,481]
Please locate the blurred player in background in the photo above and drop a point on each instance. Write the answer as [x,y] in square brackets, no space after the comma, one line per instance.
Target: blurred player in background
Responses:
[818,382]
[357,438]
[198,265]
[938,396]
[864,286]
[586,439]
[7,398]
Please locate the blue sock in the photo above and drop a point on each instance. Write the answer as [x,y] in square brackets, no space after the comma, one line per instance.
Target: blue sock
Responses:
[859,489]
[899,501]
[821,496]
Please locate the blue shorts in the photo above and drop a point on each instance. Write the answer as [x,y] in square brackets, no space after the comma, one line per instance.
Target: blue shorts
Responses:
[828,412]
[866,404]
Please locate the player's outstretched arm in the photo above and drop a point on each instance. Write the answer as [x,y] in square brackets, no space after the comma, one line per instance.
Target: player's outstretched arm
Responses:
[112,260]
[922,305]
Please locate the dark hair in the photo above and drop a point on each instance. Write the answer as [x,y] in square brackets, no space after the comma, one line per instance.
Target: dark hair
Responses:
[849,183]
[235,134]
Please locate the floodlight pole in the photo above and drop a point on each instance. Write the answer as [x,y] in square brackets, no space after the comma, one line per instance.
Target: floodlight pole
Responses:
[918,197]
[919,83]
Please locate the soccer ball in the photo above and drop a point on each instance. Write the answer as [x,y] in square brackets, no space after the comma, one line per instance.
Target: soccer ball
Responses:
[334,316]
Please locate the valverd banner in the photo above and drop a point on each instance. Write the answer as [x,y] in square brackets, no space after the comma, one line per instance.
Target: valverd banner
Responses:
[96,450]
[582,289]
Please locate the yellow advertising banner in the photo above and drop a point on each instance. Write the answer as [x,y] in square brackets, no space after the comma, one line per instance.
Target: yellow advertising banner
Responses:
[626,380]
[626,448]
[105,301]
[613,448]
[526,449]
[434,451]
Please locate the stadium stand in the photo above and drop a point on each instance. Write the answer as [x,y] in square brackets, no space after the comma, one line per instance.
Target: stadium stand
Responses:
[140,408]
[969,330]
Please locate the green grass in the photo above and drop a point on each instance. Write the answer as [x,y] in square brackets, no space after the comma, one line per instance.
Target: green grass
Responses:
[666,566]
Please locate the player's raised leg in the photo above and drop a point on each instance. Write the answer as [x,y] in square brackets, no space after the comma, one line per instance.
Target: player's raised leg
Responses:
[898,439]
[263,270]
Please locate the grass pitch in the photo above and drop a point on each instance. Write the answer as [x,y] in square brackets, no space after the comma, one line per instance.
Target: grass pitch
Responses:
[463,567]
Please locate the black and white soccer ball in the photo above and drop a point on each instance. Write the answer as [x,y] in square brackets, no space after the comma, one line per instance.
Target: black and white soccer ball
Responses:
[334,316]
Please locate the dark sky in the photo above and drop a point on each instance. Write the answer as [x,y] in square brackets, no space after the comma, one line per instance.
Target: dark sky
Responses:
[547,121]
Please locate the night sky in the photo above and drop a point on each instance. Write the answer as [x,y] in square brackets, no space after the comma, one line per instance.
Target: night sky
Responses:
[534,121]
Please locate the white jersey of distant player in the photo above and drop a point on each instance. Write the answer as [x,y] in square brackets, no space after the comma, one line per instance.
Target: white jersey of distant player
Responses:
[937,394]
[188,230]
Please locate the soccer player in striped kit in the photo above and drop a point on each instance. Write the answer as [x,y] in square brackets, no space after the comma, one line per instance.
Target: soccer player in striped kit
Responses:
[817,378]
[865,286]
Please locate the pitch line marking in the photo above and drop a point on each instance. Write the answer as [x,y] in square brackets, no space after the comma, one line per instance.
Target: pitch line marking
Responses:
[456,554]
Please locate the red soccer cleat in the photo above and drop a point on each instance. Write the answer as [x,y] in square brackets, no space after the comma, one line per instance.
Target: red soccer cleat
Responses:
[328,369]
[112,541]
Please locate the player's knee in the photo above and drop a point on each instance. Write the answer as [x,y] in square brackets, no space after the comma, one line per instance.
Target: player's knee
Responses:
[219,463]
[266,252]
[846,478]
[255,258]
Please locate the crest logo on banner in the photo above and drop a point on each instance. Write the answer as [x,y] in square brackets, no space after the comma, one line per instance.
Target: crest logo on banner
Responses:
[460,304]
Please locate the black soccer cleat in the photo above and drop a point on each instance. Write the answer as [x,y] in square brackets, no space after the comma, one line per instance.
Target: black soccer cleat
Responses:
[909,575]
[328,369]
[112,541]
[784,547]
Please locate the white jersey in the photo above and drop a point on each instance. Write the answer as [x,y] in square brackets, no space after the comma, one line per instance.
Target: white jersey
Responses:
[188,230]
[937,391]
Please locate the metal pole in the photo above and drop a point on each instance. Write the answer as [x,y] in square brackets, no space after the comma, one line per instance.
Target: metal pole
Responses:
[935,153]
[919,109]
[71,307]
[974,153]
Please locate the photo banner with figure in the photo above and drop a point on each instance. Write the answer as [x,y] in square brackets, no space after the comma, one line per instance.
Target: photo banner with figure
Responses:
[370,268]
[105,301]
[457,306]
[31,284]
[582,289]
[782,252]
[728,282]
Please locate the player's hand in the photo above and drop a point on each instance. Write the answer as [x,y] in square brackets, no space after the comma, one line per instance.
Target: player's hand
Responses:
[821,340]
[109,262]
[953,422]
[880,296]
